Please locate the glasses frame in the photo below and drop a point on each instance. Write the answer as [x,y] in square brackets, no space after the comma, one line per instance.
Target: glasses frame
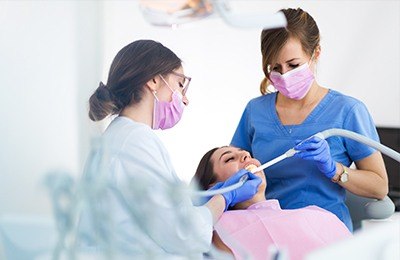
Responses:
[185,84]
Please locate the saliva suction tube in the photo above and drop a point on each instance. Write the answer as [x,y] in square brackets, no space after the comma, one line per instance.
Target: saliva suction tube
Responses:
[289,153]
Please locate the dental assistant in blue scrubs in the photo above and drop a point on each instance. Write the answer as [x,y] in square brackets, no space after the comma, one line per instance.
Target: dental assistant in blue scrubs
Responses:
[319,173]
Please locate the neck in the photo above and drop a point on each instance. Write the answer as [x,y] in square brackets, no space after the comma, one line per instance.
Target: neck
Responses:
[309,99]
[141,112]
[245,204]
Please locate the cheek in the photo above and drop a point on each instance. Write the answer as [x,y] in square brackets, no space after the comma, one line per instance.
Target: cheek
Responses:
[164,94]
[227,172]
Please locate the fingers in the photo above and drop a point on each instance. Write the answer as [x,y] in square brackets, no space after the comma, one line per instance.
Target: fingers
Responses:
[315,154]
[320,154]
[236,177]
[216,186]
[310,144]
[255,181]
[252,176]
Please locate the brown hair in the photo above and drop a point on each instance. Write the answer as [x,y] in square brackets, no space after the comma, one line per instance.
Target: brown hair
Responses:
[205,175]
[132,67]
[301,26]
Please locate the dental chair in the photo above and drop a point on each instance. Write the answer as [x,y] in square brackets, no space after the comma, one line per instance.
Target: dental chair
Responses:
[362,208]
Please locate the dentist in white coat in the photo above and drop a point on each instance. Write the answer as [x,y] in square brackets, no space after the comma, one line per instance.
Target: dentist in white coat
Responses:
[146,89]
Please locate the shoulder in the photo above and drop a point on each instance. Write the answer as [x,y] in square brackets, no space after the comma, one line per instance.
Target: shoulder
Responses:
[263,98]
[124,133]
[137,148]
[261,102]
[344,100]
[337,105]
[124,126]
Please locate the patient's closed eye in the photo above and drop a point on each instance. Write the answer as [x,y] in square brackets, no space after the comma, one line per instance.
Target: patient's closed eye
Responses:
[229,159]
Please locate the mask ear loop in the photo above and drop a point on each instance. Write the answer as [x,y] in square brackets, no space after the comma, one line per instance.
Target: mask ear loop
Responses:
[166,83]
[154,94]
[309,63]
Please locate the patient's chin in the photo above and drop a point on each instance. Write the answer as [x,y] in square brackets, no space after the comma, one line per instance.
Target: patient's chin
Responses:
[262,188]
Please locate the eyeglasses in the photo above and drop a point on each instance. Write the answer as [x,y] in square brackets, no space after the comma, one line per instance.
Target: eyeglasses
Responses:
[186,81]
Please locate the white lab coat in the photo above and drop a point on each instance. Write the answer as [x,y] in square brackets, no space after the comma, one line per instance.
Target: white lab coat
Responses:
[164,222]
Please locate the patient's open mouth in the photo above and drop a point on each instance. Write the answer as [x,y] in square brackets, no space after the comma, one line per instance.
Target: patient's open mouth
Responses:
[250,167]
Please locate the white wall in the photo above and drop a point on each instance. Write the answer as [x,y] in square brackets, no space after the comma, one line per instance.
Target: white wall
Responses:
[53,54]
[360,44]
[48,63]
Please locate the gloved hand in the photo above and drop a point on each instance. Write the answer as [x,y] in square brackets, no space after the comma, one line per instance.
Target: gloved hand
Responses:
[317,149]
[244,192]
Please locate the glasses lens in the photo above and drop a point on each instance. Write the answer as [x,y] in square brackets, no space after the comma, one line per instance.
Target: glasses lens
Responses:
[185,84]
[185,87]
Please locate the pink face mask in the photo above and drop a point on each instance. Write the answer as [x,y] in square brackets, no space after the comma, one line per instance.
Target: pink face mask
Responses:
[293,84]
[167,114]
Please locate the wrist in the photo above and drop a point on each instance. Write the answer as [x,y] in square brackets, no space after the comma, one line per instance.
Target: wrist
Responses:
[341,175]
[334,169]
[338,172]
[227,199]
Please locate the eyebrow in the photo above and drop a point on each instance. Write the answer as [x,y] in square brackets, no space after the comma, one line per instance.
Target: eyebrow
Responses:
[229,151]
[288,61]
[224,154]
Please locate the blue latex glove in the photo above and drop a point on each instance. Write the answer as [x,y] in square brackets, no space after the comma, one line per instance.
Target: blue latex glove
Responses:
[317,149]
[243,193]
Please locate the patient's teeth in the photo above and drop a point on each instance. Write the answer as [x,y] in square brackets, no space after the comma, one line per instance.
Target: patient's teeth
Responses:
[250,167]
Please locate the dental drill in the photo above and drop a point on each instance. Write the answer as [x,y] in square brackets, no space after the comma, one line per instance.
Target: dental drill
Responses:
[289,153]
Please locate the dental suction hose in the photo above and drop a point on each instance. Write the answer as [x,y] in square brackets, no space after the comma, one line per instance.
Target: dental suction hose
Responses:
[360,138]
[209,193]
[289,153]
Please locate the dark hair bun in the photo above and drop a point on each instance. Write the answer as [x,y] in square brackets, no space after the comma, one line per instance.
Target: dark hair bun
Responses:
[101,103]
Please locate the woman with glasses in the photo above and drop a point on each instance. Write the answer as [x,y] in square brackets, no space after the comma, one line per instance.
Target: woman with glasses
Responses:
[147,89]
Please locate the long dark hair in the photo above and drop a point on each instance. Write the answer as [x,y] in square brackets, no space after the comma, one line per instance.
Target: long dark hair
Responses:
[205,175]
[133,66]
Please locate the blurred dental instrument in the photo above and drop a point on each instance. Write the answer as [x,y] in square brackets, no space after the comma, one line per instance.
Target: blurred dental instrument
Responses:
[175,13]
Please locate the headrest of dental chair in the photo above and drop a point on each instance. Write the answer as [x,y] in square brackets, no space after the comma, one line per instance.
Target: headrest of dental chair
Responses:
[380,209]
[362,208]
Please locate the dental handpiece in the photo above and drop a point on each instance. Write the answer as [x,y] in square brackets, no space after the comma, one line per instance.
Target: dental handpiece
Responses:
[287,154]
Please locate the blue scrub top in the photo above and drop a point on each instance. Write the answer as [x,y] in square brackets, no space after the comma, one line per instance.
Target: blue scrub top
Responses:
[296,182]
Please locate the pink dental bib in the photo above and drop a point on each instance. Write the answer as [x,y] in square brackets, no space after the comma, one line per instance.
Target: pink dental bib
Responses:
[264,224]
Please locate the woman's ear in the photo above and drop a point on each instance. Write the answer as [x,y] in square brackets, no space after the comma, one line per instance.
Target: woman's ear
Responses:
[317,52]
[153,84]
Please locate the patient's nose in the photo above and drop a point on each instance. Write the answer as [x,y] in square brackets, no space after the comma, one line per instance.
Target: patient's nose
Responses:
[245,156]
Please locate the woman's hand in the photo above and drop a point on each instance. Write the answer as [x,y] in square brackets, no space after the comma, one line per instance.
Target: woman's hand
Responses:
[244,192]
[317,149]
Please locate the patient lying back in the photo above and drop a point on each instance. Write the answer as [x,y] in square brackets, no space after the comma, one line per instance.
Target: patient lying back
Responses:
[252,227]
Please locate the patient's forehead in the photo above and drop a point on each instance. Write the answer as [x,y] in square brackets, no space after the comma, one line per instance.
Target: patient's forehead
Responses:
[224,150]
